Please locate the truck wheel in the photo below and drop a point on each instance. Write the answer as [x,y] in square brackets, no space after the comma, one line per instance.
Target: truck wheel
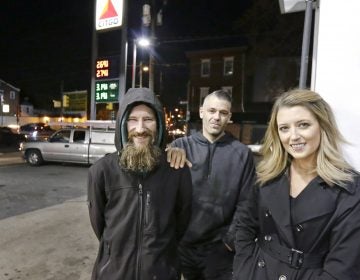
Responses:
[34,158]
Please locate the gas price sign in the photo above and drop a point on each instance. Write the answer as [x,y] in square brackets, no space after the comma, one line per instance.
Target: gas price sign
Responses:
[106,91]
[107,68]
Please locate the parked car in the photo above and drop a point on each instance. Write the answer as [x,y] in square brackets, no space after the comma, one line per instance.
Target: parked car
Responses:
[76,145]
[36,131]
[9,138]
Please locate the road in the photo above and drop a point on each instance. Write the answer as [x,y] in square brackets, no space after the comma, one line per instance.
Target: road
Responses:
[25,188]
[45,231]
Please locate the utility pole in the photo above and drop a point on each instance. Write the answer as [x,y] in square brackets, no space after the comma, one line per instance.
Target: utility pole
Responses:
[94,50]
[62,100]
[149,23]
[124,52]
[305,44]
[1,106]
[140,74]
[151,66]
[133,75]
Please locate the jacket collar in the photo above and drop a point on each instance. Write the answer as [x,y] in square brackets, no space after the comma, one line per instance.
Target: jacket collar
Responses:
[199,137]
[351,187]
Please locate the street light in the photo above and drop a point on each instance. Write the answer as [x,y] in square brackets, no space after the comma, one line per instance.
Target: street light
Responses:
[142,42]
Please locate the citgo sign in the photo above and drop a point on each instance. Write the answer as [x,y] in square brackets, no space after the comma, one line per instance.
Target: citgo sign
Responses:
[109,14]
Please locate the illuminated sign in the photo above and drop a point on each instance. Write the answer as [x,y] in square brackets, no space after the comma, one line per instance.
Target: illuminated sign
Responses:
[102,69]
[106,91]
[5,108]
[75,101]
[107,68]
[108,14]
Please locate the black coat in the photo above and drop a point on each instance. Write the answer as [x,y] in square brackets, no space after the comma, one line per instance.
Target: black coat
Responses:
[324,226]
[138,221]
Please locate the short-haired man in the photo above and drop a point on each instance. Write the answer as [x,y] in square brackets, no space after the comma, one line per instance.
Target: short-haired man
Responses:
[139,206]
[222,172]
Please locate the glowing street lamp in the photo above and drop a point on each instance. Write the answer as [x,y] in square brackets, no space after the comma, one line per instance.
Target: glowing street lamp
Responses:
[144,43]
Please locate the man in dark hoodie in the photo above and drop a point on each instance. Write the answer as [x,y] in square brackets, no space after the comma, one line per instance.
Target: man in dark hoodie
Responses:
[222,173]
[139,206]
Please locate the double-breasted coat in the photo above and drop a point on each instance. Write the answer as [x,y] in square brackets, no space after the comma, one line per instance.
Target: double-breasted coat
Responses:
[313,236]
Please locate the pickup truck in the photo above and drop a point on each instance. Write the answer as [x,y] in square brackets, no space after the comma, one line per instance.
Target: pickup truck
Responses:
[74,145]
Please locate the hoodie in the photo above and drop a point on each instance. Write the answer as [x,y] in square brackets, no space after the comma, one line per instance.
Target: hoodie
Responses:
[133,97]
[139,220]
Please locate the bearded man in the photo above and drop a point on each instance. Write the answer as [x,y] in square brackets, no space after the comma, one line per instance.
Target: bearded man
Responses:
[139,206]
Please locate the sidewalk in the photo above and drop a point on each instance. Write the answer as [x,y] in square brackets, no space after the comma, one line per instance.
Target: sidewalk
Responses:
[54,243]
[10,155]
[7,158]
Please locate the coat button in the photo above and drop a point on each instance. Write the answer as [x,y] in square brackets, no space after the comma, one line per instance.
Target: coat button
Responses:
[267,237]
[282,277]
[299,228]
[267,214]
[261,263]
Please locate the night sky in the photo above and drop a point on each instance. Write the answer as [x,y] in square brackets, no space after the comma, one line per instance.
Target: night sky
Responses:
[46,43]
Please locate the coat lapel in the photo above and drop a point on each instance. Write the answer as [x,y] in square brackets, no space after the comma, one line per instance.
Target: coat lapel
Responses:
[276,198]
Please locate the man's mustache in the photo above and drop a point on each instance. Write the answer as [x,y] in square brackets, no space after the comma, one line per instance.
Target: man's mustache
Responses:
[139,134]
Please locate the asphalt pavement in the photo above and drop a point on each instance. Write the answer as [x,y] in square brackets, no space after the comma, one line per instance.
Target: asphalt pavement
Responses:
[52,243]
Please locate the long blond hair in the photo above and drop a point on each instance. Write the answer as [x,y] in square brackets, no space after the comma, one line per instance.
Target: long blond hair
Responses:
[331,165]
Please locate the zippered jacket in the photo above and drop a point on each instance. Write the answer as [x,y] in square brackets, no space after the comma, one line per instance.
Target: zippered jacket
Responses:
[139,220]
[222,174]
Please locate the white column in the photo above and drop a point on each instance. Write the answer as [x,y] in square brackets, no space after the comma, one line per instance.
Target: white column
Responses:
[336,67]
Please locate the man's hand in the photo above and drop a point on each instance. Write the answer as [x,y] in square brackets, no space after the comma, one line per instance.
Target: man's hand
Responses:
[177,157]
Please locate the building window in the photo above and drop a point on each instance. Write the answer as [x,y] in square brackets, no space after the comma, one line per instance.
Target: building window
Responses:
[12,95]
[228,66]
[204,91]
[205,67]
[228,89]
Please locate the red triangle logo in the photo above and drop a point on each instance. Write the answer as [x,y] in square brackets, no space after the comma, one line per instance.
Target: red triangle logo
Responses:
[108,11]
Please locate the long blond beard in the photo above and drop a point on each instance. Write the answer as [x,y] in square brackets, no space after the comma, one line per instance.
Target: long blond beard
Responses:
[140,159]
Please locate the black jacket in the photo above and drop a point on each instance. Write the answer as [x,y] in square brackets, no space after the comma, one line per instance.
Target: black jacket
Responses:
[323,225]
[222,174]
[138,220]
